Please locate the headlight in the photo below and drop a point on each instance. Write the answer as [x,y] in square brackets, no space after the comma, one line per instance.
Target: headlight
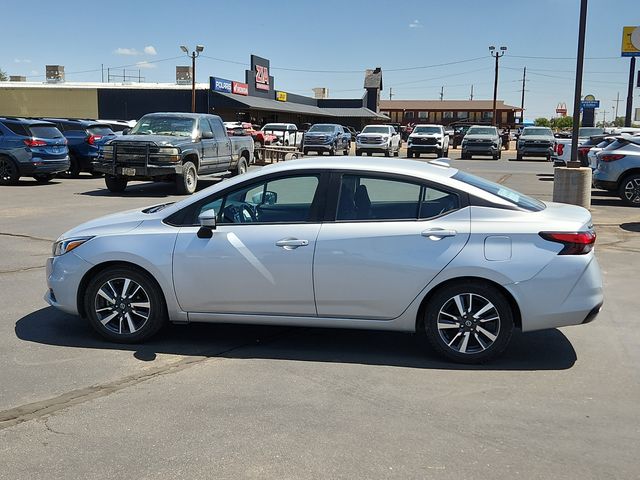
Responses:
[64,246]
[168,151]
[107,152]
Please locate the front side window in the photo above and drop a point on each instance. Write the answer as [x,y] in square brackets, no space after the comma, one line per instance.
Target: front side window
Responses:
[218,129]
[205,127]
[370,198]
[281,200]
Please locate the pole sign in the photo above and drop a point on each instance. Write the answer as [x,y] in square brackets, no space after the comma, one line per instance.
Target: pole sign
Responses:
[239,88]
[630,42]
[220,85]
[589,101]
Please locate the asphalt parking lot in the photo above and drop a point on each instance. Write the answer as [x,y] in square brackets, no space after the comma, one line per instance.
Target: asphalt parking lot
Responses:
[219,401]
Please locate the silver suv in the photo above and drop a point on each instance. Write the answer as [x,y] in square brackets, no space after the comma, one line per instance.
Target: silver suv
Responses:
[618,169]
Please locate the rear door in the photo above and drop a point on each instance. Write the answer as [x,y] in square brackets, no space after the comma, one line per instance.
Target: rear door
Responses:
[223,143]
[391,236]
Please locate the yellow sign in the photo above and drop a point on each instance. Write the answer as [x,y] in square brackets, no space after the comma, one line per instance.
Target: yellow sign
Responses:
[281,96]
[589,98]
[631,41]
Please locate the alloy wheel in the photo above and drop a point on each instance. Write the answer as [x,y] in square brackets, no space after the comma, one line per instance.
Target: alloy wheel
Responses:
[468,323]
[632,190]
[122,306]
[191,178]
[6,170]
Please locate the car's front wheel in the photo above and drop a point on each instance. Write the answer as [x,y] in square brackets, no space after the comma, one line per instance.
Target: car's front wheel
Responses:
[124,305]
[115,184]
[187,183]
[630,190]
[468,322]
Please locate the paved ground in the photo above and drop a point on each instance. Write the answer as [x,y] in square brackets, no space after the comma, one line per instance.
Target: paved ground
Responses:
[215,401]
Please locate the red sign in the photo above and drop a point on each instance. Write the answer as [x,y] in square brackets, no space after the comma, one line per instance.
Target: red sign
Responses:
[262,77]
[239,88]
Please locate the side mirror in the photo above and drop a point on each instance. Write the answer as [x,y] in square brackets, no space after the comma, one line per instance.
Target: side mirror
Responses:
[207,221]
[126,131]
[206,135]
[269,198]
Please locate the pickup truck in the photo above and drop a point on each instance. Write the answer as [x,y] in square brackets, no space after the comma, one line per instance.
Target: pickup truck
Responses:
[174,147]
[378,138]
[535,142]
[562,146]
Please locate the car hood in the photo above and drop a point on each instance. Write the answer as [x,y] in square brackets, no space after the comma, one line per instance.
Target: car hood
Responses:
[113,224]
[425,135]
[373,134]
[480,137]
[158,140]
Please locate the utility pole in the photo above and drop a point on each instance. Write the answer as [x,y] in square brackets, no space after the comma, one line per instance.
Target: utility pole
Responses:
[471,96]
[524,80]
[632,75]
[193,55]
[617,102]
[496,54]
[102,71]
[604,117]
[390,93]
[442,93]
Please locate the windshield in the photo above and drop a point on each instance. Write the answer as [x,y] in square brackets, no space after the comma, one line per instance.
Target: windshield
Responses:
[501,191]
[164,125]
[537,131]
[100,130]
[375,129]
[482,131]
[322,128]
[44,131]
[589,131]
[426,130]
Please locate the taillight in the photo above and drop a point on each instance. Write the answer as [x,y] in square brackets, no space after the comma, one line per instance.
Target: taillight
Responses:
[91,139]
[575,243]
[610,157]
[32,142]
[583,150]
[559,148]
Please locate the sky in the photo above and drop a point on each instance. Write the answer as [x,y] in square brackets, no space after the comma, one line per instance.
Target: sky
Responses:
[421,46]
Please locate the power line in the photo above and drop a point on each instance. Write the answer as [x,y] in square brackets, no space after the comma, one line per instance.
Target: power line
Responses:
[137,64]
[561,58]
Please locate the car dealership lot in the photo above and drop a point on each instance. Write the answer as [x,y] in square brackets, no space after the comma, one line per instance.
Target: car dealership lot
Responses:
[220,401]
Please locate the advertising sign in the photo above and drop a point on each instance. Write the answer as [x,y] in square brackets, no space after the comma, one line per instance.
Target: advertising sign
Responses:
[258,78]
[239,88]
[220,85]
[281,96]
[590,104]
[262,77]
[630,42]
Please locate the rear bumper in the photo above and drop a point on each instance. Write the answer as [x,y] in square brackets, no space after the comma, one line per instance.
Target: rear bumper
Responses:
[38,166]
[605,185]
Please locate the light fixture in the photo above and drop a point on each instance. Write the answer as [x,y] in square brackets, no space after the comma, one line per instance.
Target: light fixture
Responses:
[199,48]
[184,49]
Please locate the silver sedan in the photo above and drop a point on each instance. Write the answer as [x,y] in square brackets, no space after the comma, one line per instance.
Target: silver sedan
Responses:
[338,242]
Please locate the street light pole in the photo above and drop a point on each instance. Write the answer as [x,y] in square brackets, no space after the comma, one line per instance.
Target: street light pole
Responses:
[577,96]
[496,54]
[193,55]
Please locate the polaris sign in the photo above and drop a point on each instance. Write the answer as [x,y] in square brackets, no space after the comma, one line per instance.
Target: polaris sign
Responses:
[220,85]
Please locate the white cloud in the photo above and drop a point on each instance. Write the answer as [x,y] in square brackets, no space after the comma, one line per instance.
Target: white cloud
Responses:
[126,51]
[145,64]
[415,24]
[150,50]
[21,60]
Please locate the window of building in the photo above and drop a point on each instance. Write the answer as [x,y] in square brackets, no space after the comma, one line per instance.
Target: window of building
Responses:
[487,115]
[408,115]
[423,115]
[462,114]
[447,115]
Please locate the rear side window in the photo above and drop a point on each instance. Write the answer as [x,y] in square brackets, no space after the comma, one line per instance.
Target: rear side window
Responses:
[100,130]
[44,131]
[517,198]
[17,128]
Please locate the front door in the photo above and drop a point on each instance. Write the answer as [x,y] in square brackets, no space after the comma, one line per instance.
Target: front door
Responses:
[390,239]
[259,259]
[209,158]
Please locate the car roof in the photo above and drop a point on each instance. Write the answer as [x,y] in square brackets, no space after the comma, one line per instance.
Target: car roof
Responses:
[84,122]
[427,125]
[26,121]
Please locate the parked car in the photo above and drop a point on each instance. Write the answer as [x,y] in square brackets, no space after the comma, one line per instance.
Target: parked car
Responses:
[481,140]
[84,139]
[460,130]
[326,137]
[260,138]
[562,146]
[428,139]
[618,169]
[343,242]
[591,160]
[352,131]
[31,148]
[173,147]
[535,142]
[378,139]
[286,133]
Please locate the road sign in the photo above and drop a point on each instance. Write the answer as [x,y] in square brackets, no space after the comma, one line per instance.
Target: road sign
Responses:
[630,42]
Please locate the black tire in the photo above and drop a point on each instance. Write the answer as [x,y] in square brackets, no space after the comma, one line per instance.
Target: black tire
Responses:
[241,167]
[629,190]
[95,174]
[74,168]
[305,152]
[43,177]
[187,182]
[446,152]
[332,150]
[409,154]
[519,156]
[486,338]
[116,184]
[129,307]
[496,156]
[387,153]
[9,173]
[397,152]
[440,153]
[358,153]
[347,149]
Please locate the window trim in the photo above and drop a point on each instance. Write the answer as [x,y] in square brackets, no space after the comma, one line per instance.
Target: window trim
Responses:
[333,196]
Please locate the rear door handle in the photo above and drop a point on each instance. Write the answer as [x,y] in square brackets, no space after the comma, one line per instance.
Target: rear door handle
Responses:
[291,243]
[438,233]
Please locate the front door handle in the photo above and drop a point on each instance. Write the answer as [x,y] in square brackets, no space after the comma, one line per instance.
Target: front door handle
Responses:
[291,243]
[438,233]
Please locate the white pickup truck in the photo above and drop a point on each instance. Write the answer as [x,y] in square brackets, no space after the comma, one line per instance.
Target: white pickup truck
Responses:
[562,147]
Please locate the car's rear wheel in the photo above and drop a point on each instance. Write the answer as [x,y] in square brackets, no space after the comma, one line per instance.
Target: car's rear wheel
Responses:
[468,322]
[74,168]
[43,177]
[9,173]
[241,167]
[124,305]
[630,190]
[187,182]
[115,184]
[358,153]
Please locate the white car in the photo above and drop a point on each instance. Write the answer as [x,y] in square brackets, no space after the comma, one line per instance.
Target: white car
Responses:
[428,139]
[378,139]
[338,242]
[286,133]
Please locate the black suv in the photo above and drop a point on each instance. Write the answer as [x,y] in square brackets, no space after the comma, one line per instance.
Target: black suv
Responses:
[31,148]
[85,138]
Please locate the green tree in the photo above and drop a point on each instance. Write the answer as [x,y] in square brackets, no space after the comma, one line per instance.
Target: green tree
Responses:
[542,122]
[562,122]
[618,122]
[3,76]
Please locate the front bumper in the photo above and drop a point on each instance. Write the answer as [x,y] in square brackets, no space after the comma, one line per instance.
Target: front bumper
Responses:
[373,147]
[64,274]
[535,151]
[38,166]
[324,147]
[423,148]
[142,172]
[480,149]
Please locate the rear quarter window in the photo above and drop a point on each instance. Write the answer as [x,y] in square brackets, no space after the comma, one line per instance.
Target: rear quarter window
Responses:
[100,130]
